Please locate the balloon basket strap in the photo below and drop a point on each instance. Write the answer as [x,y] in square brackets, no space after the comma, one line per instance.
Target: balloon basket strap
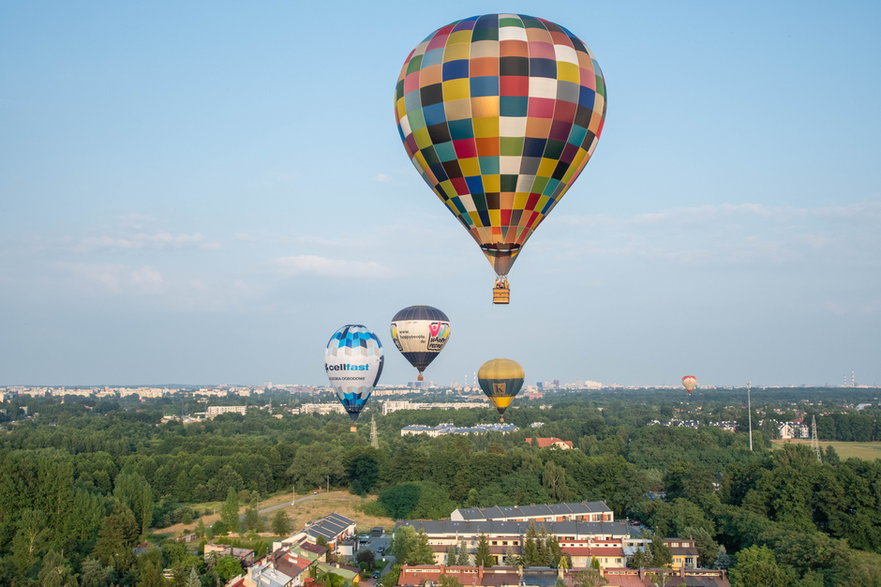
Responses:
[501,291]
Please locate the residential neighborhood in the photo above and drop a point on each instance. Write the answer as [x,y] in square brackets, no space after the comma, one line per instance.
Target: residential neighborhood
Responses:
[589,539]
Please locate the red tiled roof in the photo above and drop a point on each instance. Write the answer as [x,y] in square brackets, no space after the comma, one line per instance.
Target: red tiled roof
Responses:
[546,442]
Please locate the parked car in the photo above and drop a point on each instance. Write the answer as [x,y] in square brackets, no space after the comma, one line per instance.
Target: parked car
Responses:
[376,574]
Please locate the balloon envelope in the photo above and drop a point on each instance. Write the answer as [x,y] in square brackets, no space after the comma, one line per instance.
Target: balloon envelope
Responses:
[500,380]
[420,333]
[353,361]
[500,113]
[689,382]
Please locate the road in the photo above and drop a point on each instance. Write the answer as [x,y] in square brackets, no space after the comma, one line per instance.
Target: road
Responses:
[284,504]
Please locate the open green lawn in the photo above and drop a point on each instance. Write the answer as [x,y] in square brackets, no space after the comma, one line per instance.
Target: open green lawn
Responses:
[861,450]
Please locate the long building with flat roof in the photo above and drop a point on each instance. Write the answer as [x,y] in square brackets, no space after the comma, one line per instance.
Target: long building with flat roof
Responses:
[585,511]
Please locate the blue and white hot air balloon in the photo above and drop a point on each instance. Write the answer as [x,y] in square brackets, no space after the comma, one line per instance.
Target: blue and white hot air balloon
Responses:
[353,361]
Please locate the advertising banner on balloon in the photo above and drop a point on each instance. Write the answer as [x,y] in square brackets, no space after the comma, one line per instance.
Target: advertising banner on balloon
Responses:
[353,362]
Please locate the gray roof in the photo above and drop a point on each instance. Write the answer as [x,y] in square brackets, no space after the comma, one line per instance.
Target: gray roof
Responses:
[494,528]
[539,576]
[534,511]
[329,527]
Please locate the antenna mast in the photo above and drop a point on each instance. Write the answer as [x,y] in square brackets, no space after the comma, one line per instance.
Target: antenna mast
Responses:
[374,437]
[815,443]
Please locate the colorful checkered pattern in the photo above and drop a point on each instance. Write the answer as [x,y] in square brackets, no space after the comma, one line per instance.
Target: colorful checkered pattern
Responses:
[500,113]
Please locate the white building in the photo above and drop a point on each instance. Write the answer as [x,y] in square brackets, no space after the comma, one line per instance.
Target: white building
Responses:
[323,409]
[213,411]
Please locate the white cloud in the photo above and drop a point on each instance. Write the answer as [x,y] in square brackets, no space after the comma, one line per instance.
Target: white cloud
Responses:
[860,212]
[103,275]
[382,178]
[734,234]
[116,278]
[143,240]
[136,221]
[316,265]
[146,280]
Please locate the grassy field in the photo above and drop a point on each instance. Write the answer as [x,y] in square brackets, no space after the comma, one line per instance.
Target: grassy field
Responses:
[308,509]
[861,450]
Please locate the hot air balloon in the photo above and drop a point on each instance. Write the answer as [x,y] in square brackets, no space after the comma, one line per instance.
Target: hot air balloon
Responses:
[420,333]
[500,380]
[689,382]
[500,113]
[353,361]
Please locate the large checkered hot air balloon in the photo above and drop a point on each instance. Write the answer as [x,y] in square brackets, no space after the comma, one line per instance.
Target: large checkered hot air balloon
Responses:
[500,113]
[353,362]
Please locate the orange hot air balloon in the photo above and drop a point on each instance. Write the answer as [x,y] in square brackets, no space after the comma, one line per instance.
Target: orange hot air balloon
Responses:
[689,382]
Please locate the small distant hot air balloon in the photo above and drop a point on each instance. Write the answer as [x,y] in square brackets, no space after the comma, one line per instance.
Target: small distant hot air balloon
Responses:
[500,380]
[353,361]
[420,333]
[500,113]
[689,382]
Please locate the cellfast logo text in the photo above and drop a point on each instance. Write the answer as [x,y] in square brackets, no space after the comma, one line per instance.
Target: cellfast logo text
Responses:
[346,367]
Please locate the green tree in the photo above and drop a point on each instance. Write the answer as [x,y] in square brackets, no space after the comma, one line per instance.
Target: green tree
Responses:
[660,552]
[463,557]
[422,553]
[553,479]
[312,466]
[229,511]
[422,499]
[362,469]
[93,573]
[448,581]
[366,559]
[531,554]
[482,557]
[393,575]
[30,541]
[281,524]
[150,569]
[133,491]
[588,578]
[228,567]
[552,551]
[118,535]
[757,565]
[252,519]
[193,579]
[55,572]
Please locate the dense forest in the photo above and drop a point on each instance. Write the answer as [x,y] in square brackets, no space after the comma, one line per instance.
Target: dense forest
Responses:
[83,482]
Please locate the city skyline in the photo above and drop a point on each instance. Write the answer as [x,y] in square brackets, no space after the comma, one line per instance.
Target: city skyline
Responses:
[207,192]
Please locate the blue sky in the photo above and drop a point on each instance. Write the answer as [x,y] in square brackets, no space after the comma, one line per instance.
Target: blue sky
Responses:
[204,192]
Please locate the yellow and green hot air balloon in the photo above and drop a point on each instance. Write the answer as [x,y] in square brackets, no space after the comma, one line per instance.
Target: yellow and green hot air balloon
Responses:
[500,380]
[500,113]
